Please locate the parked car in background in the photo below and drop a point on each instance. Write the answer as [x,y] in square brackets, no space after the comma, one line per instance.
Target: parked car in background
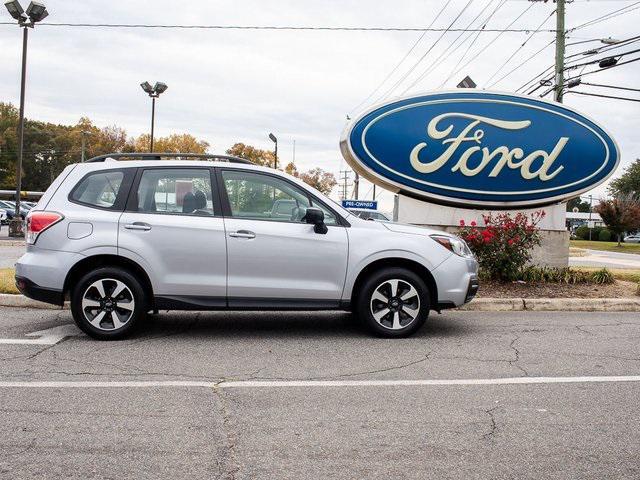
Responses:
[634,238]
[3,218]
[369,214]
[120,239]
[10,210]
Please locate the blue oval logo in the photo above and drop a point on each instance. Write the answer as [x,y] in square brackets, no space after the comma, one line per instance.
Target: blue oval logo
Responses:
[480,149]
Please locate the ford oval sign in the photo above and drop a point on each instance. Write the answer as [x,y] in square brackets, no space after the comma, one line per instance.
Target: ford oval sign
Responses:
[471,148]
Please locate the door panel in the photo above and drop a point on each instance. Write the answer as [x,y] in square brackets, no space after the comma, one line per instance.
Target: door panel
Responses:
[272,252]
[175,234]
[285,260]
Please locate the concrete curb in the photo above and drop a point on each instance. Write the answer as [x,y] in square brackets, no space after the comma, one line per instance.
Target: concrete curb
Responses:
[553,304]
[20,301]
[477,305]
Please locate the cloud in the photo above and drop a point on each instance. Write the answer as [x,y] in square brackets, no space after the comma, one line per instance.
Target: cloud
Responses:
[227,86]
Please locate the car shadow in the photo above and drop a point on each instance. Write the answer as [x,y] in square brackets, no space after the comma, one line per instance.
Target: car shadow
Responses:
[246,324]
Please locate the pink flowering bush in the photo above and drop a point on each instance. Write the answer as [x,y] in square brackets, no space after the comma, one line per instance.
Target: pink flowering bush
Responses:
[504,245]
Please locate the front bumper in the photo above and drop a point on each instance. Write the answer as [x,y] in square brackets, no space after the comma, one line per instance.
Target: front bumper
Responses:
[457,281]
[36,292]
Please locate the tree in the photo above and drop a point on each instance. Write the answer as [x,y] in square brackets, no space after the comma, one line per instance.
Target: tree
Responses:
[175,143]
[291,169]
[265,158]
[620,214]
[319,179]
[629,182]
[579,204]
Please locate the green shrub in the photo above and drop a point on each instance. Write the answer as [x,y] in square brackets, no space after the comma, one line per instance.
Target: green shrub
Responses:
[604,235]
[582,232]
[533,274]
[603,276]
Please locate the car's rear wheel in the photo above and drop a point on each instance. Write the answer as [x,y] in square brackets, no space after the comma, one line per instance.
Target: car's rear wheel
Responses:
[108,303]
[393,302]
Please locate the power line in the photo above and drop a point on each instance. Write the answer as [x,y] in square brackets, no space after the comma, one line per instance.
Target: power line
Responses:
[591,72]
[449,28]
[521,46]
[606,16]
[610,86]
[478,53]
[523,63]
[584,54]
[464,55]
[434,63]
[403,58]
[275,27]
[605,96]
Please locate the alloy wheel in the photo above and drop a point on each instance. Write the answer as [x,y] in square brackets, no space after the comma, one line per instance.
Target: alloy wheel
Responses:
[395,304]
[108,304]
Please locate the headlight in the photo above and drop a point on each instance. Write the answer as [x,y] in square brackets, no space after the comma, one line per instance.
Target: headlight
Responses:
[453,244]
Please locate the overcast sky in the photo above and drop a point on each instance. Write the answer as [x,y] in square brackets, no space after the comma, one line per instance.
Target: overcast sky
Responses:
[228,86]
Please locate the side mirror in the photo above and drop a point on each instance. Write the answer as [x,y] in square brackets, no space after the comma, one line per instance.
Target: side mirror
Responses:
[315,217]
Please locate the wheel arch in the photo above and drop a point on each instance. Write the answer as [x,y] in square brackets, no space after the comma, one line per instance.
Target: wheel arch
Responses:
[397,262]
[106,260]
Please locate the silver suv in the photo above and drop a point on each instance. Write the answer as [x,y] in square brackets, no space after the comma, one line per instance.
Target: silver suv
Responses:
[122,238]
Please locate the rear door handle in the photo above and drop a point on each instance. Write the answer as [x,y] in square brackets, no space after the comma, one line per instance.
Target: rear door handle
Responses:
[242,234]
[138,226]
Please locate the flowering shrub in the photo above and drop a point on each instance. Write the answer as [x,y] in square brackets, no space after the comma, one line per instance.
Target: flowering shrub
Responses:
[504,245]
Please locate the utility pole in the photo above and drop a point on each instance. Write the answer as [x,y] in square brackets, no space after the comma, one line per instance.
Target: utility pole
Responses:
[356,185]
[590,210]
[560,37]
[84,144]
[374,192]
[344,176]
[560,34]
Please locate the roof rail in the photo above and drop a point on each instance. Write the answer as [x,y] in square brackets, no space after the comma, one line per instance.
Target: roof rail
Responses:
[160,156]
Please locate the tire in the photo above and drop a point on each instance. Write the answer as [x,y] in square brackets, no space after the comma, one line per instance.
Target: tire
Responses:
[393,315]
[88,303]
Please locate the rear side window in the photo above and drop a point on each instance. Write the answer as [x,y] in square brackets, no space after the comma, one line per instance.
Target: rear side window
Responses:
[99,189]
[179,191]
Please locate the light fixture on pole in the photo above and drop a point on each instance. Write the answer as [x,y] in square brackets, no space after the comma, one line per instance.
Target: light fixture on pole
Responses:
[36,12]
[274,140]
[154,92]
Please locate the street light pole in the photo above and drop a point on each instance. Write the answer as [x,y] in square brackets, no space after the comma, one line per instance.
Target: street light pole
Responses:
[275,140]
[15,227]
[154,92]
[153,120]
[36,11]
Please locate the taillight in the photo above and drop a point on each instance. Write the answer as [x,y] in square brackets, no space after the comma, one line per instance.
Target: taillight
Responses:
[38,222]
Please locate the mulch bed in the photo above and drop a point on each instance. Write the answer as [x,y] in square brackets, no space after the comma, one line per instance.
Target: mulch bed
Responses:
[493,289]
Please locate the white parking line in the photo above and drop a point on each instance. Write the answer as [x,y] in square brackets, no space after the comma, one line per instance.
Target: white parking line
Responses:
[320,383]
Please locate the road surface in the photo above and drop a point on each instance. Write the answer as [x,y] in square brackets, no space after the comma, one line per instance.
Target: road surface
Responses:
[310,395]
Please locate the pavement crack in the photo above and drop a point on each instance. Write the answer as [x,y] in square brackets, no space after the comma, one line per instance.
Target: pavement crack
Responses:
[346,375]
[582,329]
[514,362]
[494,426]
[231,465]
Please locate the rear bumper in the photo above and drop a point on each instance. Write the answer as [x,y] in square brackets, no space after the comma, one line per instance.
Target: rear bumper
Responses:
[36,292]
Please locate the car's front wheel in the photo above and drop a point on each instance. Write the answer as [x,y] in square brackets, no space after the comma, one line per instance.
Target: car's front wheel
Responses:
[108,303]
[393,302]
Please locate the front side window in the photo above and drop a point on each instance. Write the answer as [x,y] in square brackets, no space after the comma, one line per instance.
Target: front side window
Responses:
[265,197]
[99,189]
[185,191]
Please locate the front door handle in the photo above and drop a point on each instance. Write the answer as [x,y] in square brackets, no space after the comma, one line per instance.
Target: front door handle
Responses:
[138,226]
[242,234]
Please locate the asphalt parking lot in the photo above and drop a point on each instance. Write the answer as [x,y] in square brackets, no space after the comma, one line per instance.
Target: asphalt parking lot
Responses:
[311,395]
